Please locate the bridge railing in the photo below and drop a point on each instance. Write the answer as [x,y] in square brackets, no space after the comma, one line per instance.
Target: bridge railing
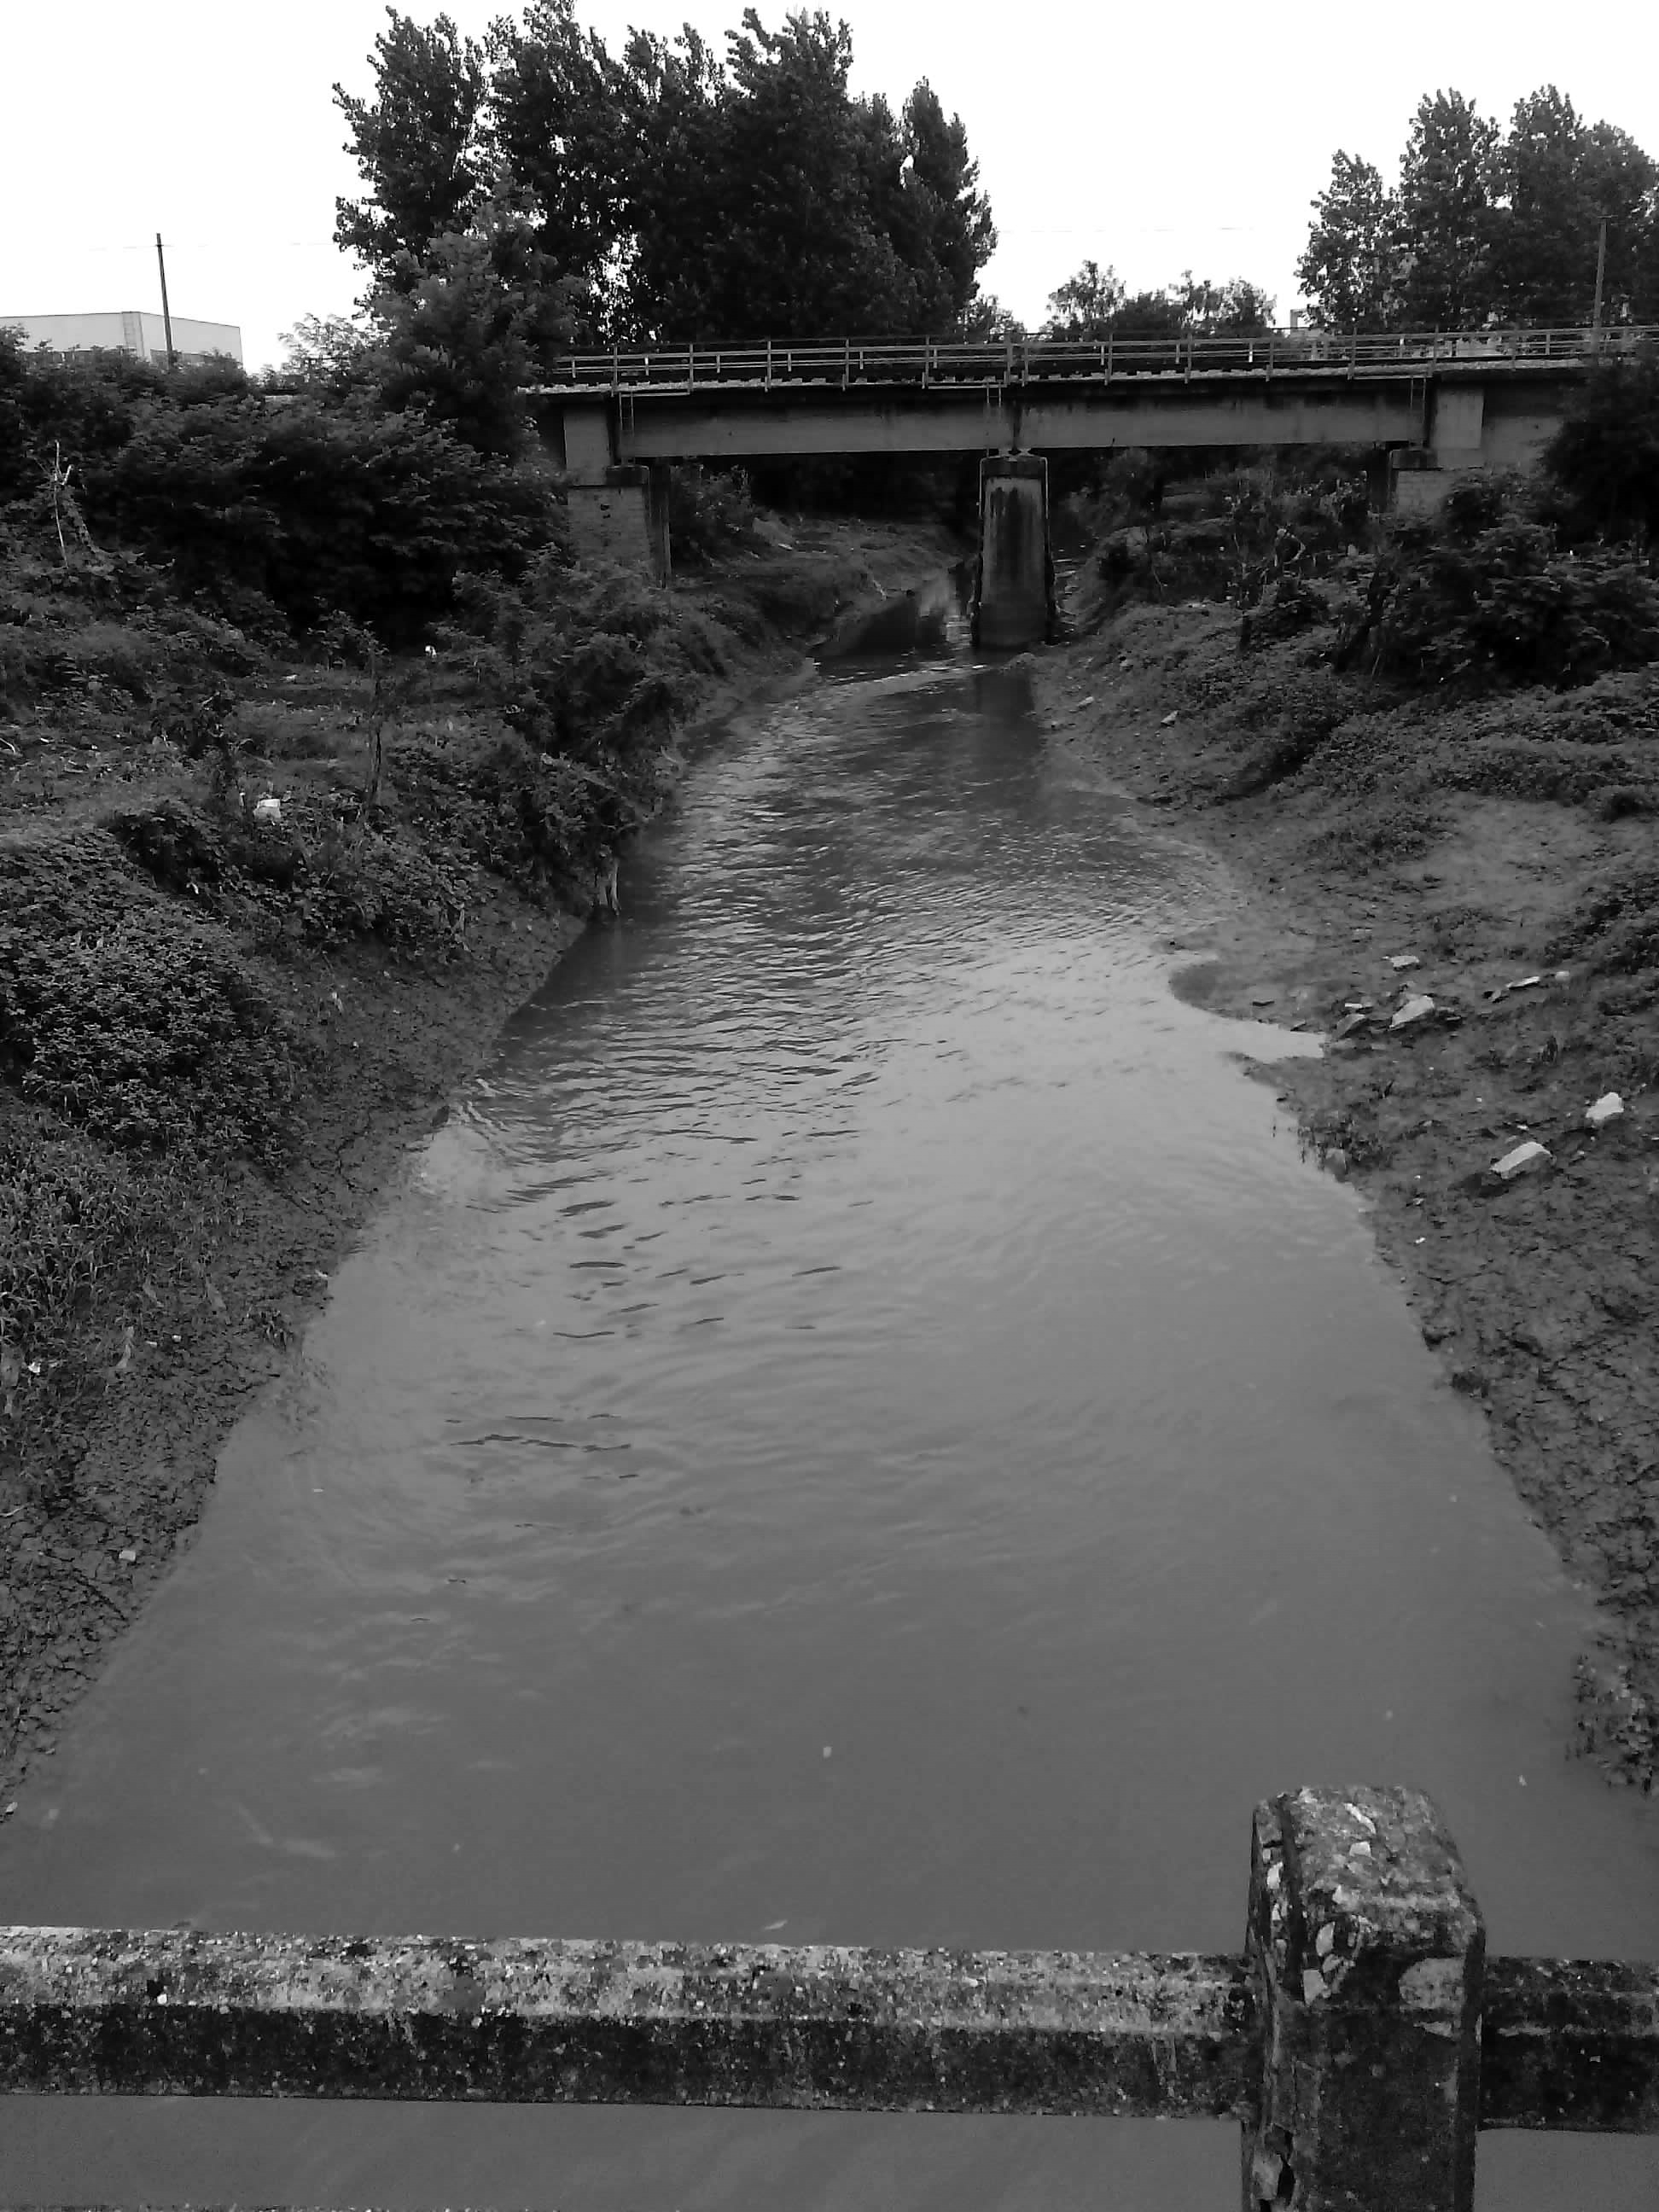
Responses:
[849,362]
[1362,2039]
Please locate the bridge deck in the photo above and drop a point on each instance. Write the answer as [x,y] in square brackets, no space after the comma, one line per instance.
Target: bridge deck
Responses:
[843,363]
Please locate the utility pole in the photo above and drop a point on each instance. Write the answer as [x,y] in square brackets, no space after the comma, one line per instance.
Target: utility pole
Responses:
[172,358]
[1601,275]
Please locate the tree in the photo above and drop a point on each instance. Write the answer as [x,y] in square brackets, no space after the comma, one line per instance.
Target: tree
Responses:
[1348,271]
[1545,241]
[1095,305]
[1604,460]
[1563,178]
[1486,226]
[797,254]
[1221,310]
[481,316]
[941,222]
[1450,179]
[986,318]
[1620,182]
[417,142]
[679,196]
[556,120]
[671,99]
[1084,307]
[326,353]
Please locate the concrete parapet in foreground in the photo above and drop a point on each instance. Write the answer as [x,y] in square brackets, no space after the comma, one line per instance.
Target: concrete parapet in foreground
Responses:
[1361,2039]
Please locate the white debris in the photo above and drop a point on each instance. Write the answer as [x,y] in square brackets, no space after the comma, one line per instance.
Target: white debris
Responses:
[1414,1010]
[1522,1160]
[268,813]
[1608,1108]
[1170,717]
[1404,960]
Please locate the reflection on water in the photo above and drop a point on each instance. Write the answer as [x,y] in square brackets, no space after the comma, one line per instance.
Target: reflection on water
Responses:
[863,1429]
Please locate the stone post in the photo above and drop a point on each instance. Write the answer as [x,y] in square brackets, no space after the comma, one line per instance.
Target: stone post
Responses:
[1367,1953]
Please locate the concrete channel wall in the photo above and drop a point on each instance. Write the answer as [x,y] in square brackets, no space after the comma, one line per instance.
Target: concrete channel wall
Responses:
[1362,2039]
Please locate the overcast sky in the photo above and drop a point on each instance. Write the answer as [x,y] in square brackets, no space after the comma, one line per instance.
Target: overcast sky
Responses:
[1158,137]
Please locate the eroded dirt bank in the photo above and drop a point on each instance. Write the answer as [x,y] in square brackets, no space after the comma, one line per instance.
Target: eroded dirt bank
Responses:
[219,1035]
[1499,858]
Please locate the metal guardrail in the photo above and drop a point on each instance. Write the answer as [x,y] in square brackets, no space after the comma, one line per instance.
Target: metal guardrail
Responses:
[846,362]
[1362,2039]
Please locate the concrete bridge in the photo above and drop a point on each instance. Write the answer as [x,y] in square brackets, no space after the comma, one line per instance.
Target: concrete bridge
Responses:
[1429,404]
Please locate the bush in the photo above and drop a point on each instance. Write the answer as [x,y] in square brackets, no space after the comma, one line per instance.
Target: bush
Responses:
[1483,594]
[146,1033]
[322,509]
[273,511]
[708,514]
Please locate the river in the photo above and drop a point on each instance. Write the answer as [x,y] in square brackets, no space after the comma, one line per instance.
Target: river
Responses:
[863,1427]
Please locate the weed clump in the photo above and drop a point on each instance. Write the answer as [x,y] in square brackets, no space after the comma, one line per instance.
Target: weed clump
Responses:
[1287,720]
[147,1035]
[1618,921]
[69,1210]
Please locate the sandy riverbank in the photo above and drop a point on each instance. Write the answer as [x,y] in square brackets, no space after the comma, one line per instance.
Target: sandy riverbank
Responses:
[1392,845]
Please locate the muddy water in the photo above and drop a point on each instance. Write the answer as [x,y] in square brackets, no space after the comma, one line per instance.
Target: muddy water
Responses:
[862,1428]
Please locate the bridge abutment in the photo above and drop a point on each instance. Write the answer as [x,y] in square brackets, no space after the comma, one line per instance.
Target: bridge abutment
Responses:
[617,511]
[624,520]
[1013,596]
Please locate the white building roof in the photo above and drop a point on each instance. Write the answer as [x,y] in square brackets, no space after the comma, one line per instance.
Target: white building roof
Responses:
[134,331]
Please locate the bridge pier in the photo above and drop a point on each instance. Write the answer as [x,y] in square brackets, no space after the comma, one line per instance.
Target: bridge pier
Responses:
[1460,436]
[624,520]
[1013,592]
[617,512]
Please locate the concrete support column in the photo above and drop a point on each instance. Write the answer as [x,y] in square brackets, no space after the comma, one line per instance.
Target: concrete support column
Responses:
[1421,475]
[658,489]
[1368,1955]
[625,518]
[1013,596]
